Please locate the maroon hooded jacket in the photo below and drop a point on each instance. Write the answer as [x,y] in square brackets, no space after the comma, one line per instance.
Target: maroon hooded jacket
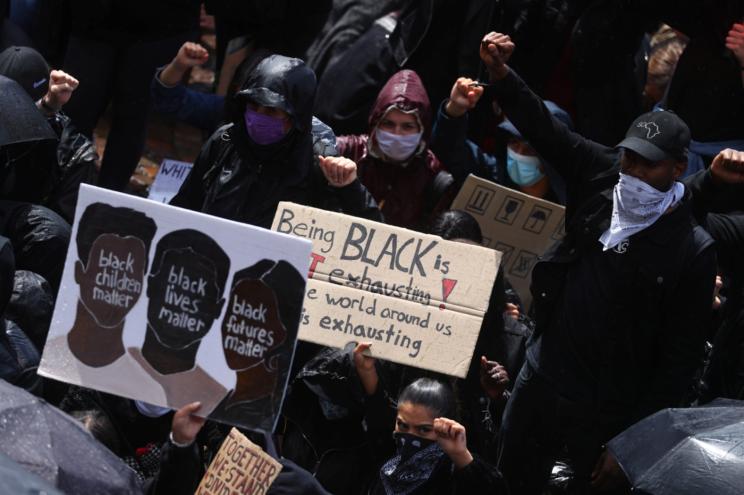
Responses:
[411,195]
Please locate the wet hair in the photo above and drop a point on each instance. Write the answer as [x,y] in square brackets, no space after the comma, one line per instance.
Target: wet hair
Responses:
[201,244]
[432,394]
[101,218]
[456,224]
[101,427]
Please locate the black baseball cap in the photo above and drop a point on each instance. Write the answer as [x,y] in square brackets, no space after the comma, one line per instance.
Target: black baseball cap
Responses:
[28,68]
[658,136]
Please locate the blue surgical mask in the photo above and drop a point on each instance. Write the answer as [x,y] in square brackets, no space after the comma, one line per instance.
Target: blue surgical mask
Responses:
[523,170]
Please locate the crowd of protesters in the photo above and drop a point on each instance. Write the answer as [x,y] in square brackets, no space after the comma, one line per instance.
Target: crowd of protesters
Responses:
[628,113]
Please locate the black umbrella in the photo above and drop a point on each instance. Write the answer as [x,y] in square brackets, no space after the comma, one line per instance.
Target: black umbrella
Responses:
[685,451]
[20,120]
[54,446]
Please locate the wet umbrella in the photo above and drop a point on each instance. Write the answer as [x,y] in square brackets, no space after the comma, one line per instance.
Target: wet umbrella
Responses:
[52,445]
[17,481]
[685,451]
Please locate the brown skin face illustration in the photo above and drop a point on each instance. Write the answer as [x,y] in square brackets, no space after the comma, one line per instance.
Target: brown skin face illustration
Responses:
[184,300]
[251,331]
[110,285]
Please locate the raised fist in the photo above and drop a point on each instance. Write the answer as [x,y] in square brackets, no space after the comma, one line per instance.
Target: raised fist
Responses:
[61,86]
[190,55]
[495,51]
[463,97]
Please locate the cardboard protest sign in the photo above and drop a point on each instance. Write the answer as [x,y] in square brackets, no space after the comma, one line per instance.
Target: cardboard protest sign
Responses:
[417,298]
[522,227]
[154,311]
[240,468]
[171,175]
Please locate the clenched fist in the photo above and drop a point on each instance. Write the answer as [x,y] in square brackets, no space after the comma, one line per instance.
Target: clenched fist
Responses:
[463,97]
[451,437]
[339,171]
[728,167]
[188,56]
[495,51]
[191,55]
[61,86]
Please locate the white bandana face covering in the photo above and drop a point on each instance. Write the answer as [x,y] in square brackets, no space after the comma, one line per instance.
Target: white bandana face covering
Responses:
[636,206]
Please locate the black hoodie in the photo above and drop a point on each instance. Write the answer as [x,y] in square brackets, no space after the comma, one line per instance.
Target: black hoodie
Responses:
[237,179]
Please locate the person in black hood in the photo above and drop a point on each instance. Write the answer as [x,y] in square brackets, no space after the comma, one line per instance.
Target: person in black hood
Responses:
[265,154]
[71,157]
[27,169]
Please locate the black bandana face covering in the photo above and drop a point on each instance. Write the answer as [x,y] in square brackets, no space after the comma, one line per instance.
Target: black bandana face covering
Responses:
[407,445]
[417,460]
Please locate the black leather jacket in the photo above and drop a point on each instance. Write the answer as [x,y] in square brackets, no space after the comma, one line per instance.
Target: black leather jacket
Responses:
[236,179]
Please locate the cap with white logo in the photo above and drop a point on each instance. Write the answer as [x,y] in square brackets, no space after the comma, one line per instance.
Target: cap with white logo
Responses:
[658,136]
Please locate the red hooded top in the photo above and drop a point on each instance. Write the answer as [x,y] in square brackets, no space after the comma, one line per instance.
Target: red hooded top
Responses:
[405,194]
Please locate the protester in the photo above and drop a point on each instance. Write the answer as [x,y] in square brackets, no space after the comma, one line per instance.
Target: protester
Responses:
[264,155]
[431,453]
[76,155]
[519,167]
[27,151]
[620,304]
[170,96]
[395,163]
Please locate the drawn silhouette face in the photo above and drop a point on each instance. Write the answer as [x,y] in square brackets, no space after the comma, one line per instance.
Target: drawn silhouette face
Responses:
[184,298]
[111,283]
[251,327]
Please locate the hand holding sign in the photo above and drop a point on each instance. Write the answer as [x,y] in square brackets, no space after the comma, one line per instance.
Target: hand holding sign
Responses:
[240,466]
[186,425]
[365,368]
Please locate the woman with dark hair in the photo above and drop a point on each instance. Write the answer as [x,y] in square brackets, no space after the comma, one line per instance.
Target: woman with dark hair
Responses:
[457,225]
[431,454]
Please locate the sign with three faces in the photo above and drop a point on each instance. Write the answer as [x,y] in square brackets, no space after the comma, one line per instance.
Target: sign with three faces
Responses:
[169,306]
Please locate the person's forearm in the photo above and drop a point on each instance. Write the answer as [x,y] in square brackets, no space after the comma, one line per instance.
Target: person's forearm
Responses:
[172,74]
[369,380]
[462,459]
[498,73]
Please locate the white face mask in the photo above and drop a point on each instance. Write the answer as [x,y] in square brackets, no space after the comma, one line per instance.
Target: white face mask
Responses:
[397,147]
[636,206]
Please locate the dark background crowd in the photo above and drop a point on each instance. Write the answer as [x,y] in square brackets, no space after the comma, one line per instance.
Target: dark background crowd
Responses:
[627,112]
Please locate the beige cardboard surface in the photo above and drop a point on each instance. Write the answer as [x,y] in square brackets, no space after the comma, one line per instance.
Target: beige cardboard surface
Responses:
[417,298]
[522,227]
[240,468]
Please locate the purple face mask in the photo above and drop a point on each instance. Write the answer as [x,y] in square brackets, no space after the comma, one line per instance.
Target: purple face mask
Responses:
[263,129]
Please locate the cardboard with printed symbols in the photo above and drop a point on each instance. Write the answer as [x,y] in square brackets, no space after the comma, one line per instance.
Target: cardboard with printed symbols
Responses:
[522,227]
